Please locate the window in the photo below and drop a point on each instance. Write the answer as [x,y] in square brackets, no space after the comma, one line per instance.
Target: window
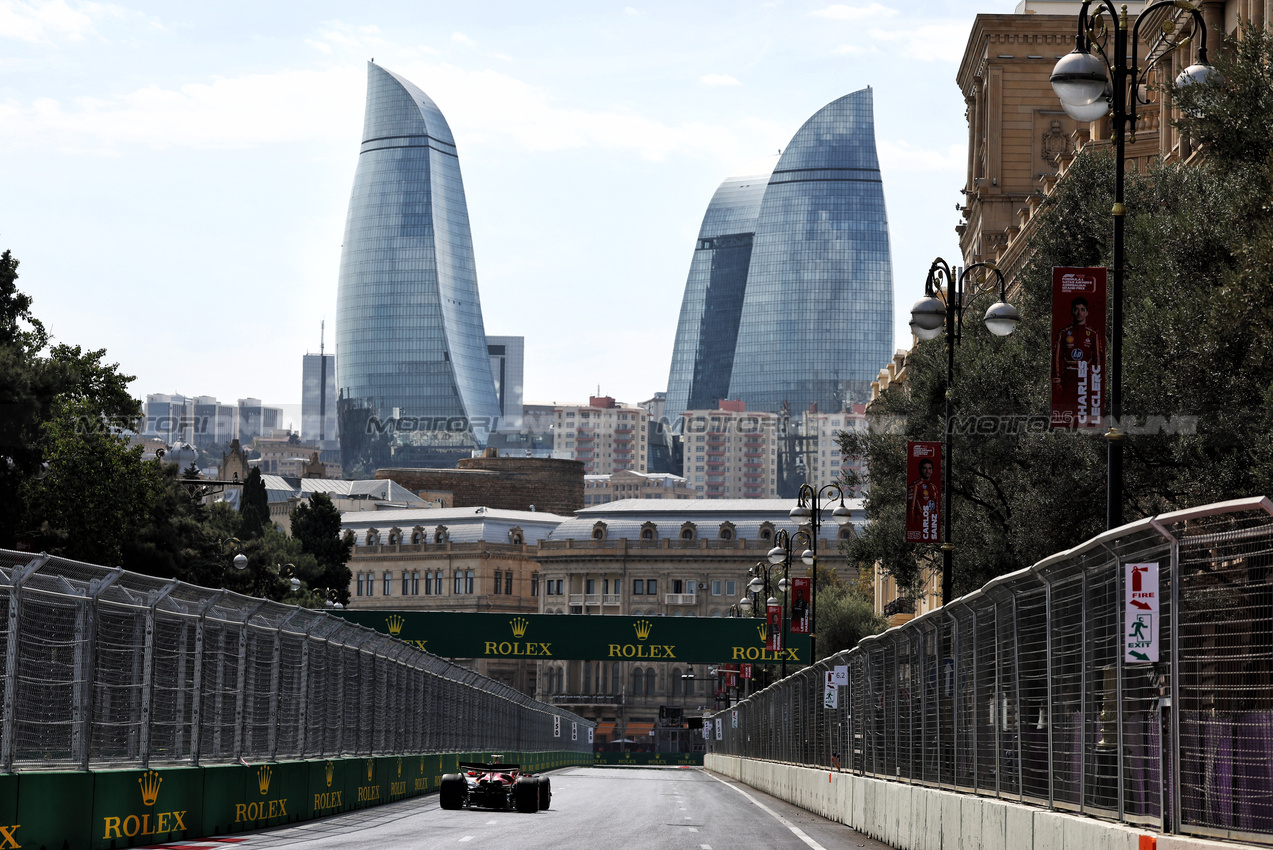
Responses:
[406,583]
[716,587]
[388,583]
[678,586]
[590,586]
[731,589]
[360,584]
[615,678]
[534,584]
[498,584]
[676,681]
[459,579]
[468,582]
[638,587]
[508,583]
[649,680]
[587,677]
[415,584]
[691,586]
[652,587]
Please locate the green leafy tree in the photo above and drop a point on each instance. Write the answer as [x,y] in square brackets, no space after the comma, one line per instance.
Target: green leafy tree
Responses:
[844,617]
[254,506]
[1197,358]
[316,524]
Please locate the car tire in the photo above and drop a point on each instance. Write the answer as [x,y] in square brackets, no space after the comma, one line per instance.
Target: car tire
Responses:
[545,792]
[452,791]
[526,796]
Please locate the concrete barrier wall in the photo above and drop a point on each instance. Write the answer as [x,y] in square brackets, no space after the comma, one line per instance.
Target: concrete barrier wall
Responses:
[915,817]
[110,809]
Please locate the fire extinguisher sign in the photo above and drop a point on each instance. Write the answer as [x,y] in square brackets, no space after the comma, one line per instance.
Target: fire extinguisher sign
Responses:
[1140,617]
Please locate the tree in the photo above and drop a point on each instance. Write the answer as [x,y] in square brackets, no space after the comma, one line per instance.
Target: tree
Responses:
[845,616]
[254,505]
[1198,358]
[316,524]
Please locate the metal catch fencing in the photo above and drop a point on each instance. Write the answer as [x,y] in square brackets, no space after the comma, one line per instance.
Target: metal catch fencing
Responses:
[1023,689]
[106,667]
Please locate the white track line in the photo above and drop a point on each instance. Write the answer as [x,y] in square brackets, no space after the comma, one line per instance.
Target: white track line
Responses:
[795,830]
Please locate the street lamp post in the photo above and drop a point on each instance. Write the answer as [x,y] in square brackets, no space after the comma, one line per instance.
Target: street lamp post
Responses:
[811,505]
[760,584]
[943,305]
[1088,86]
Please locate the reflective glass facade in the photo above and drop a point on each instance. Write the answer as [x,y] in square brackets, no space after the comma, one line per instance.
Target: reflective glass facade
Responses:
[413,374]
[790,292]
[817,320]
[703,355]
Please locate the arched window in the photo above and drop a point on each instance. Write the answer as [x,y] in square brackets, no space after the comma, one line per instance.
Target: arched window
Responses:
[676,681]
[417,535]
[616,678]
[516,536]
[638,682]
[599,531]
[846,532]
[441,535]
[373,537]
[689,531]
[766,531]
[649,531]
[649,681]
[395,536]
[726,531]
[587,677]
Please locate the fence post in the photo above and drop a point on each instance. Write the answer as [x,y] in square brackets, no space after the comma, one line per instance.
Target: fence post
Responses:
[1174,670]
[196,687]
[85,657]
[241,690]
[275,683]
[1086,669]
[999,708]
[1016,687]
[153,598]
[1047,715]
[1118,677]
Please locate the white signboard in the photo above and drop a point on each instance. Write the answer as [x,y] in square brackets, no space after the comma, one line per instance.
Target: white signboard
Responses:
[707,728]
[840,674]
[720,730]
[574,731]
[590,731]
[831,693]
[556,725]
[734,717]
[1140,617]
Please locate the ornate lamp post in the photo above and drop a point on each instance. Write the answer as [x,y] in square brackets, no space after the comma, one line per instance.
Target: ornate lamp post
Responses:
[943,305]
[1089,85]
[812,505]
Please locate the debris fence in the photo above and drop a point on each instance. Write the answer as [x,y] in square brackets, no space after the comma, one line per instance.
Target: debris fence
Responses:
[1032,688]
[106,667]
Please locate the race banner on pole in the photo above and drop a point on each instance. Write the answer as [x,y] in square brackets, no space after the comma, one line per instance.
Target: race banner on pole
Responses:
[773,617]
[1078,347]
[923,492]
[800,605]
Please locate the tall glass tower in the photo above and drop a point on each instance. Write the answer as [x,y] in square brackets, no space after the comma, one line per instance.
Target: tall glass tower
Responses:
[703,354]
[413,373]
[811,318]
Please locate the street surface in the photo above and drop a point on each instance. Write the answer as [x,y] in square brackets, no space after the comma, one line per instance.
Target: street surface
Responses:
[628,808]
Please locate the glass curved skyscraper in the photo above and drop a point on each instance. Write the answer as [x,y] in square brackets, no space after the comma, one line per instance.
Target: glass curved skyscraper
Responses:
[813,320]
[703,355]
[413,374]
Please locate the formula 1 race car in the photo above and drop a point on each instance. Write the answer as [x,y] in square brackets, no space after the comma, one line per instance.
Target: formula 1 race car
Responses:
[494,785]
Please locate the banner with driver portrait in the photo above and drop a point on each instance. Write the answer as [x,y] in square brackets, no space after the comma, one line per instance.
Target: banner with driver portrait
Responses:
[1078,347]
[800,608]
[923,492]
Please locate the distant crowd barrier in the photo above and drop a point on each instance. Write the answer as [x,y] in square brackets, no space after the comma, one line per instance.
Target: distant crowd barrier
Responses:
[1078,684]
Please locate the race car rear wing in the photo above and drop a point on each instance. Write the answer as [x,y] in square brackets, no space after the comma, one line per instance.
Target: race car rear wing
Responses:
[492,767]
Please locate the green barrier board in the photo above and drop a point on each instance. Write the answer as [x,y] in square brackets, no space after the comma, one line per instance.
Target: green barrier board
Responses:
[138,807]
[326,793]
[223,787]
[366,782]
[10,824]
[46,819]
[553,636]
[274,794]
[649,759]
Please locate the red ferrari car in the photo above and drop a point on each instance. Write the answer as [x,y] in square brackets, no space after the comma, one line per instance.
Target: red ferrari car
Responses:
[494,785]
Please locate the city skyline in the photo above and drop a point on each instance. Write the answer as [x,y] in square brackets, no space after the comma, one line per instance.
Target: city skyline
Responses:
[199,173]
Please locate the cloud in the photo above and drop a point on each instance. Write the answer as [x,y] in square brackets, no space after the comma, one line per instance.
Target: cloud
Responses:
[49,20]
[718,80]
[940,41]
[461,38]
[841,12]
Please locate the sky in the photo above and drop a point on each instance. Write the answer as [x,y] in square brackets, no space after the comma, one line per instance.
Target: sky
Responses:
[174,176]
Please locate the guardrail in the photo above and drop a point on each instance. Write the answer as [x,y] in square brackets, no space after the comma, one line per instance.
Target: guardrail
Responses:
[106,667]
[1022,691]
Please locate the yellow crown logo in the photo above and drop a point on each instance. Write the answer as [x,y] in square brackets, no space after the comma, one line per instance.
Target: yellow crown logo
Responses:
[395,624]
[399,767]
[263,777]
[643,628]
[422,765]
[371,766]
[149,782]
[331,771]
[763,629]
[518,625]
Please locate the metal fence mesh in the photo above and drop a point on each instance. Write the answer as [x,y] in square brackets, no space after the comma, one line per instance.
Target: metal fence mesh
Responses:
[1021,691]
[105,667]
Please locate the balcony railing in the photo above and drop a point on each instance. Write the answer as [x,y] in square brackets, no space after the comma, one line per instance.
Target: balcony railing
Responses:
[611,599]
[680,599]
[576,599]
[592,599]
[586,699]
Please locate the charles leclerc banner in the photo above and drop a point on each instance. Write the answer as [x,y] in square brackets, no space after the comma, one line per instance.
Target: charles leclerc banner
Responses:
[800,605]
[773,634]
[923,492]
[1078,347]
